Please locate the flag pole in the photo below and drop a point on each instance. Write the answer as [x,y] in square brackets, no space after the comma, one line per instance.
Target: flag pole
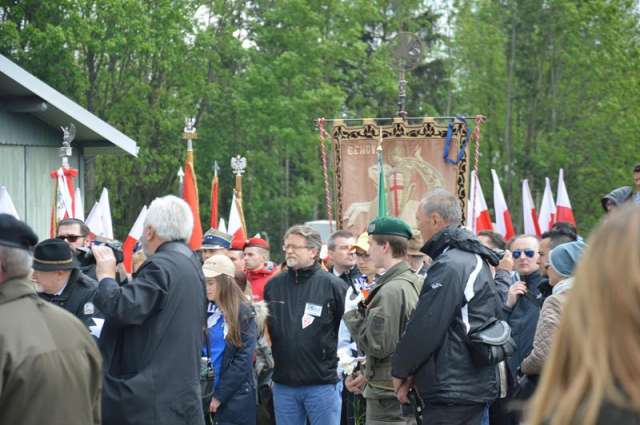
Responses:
[214,196]
[239,166]
[190,183]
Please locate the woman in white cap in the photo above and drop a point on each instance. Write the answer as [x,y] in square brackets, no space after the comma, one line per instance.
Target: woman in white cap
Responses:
[231,345]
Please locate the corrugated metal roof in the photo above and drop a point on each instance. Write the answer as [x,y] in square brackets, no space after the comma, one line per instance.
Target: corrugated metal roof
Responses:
[15,81]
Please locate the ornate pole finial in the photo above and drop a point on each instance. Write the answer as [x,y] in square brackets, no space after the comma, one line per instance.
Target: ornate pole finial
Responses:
[181,175]
[189,133]
[238,165]
[68,134]
[215,168]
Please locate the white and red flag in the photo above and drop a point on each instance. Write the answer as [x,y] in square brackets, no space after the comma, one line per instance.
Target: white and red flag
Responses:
[6,204]
[99,219]
[78,205]
[236,226]
[564,212]
[548,208]
[529,214]
[62,196]
[504,224]
[478,218]
[132,239]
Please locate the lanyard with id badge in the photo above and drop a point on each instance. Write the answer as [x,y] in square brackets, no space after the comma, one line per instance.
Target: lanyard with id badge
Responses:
[311,311]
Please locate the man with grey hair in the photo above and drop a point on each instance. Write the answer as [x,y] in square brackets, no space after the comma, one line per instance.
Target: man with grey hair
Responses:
[50,364]
[153,333]
[306,305]
[457,300]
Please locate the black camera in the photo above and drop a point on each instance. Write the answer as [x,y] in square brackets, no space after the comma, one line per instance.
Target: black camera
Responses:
[86,258]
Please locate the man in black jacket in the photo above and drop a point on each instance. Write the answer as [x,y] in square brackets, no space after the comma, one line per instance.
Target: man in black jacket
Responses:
[524,299]
[60,282]
[154,325]
[457,299]
[306,305]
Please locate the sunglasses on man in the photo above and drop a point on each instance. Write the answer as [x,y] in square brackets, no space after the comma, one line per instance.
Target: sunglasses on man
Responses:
[528,252]
[70,238]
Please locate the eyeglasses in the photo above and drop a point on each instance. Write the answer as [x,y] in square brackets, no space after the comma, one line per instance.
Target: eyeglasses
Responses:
[70,238]
[293,247]
[528,252]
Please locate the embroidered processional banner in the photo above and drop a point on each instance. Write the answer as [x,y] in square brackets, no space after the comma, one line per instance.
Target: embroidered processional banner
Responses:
[419,155]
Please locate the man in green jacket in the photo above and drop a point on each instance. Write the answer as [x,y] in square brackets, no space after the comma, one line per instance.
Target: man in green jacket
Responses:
[378,321]
[50,364]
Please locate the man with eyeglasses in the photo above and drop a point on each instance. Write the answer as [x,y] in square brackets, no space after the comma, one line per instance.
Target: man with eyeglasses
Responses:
[306,305]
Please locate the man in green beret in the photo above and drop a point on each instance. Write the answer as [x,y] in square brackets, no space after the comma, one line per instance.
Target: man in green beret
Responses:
[378,321]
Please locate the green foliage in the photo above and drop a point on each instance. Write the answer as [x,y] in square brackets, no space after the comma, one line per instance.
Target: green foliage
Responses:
[556,78]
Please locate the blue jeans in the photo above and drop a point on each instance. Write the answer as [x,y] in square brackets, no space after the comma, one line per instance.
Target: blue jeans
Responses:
[320,403]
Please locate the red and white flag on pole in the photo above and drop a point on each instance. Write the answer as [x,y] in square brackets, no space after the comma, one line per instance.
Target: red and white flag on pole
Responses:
[236,227]
[478,218]
[504,224]
[548,208]
[62,197]
[78,205]
[190,195]
[132,239]
[529,214]
[99,219]
[563,205]
[6,204]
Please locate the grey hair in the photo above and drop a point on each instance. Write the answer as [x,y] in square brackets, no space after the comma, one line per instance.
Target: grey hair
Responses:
[15,262]
[171,218]
[310,235]
[444,203]
[331,243]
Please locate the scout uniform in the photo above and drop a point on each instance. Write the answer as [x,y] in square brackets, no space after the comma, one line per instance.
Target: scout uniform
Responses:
[378,322]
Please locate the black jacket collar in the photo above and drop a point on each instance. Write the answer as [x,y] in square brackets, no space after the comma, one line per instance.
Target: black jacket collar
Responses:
[459,238]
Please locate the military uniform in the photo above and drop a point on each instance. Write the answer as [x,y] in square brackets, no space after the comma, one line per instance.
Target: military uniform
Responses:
[77,295]
[376,326]
[77,298]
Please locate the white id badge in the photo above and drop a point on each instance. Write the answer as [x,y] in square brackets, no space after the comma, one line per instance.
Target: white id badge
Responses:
[313,310]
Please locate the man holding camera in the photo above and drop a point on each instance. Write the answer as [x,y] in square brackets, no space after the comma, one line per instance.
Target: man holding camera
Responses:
[377,322]
[76,234]
[57,273]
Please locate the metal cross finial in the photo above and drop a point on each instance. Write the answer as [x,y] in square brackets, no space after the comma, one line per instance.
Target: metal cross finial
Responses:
[238,165]
[68,134]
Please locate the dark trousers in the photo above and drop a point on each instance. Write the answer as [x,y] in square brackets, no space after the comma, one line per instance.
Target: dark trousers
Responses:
[453,414]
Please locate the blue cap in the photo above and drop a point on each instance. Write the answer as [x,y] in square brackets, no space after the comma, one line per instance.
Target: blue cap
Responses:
[215,239]
[564,258]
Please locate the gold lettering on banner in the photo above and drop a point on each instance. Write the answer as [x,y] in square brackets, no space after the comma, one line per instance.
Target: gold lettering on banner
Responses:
[361,149]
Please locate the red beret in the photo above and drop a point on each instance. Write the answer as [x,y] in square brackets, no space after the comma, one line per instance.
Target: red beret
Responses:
[255,241]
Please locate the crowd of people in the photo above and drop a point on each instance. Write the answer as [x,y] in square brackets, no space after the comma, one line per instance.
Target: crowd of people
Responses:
[397,325]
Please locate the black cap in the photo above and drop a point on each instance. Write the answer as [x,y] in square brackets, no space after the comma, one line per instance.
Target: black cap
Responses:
[52,255]
[16,234]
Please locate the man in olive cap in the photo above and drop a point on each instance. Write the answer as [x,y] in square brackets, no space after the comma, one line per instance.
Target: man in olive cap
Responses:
[377,322]
[57,272]
[50,365]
